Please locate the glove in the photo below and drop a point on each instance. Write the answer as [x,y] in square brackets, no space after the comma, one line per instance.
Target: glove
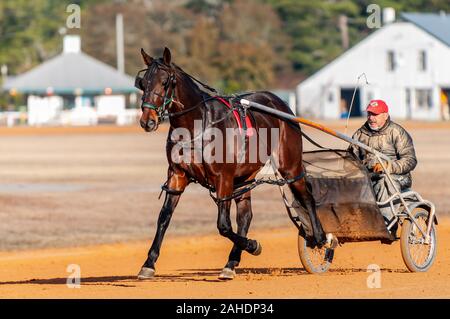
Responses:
[379,169]
[369,162]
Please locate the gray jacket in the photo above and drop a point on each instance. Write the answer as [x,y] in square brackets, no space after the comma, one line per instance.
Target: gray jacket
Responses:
[393,141]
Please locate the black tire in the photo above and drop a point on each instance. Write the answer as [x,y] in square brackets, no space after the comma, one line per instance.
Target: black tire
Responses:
[412,240]
[314,260]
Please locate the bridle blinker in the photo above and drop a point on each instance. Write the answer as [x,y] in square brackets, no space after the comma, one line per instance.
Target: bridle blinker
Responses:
[142,84]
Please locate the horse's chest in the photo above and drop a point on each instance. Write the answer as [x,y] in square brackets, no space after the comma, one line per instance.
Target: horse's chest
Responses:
[192,169]
[187,160]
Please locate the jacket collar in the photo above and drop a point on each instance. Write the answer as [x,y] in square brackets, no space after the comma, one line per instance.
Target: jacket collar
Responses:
[366,128]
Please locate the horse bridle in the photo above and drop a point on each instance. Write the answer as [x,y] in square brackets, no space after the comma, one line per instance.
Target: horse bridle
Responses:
[142,84]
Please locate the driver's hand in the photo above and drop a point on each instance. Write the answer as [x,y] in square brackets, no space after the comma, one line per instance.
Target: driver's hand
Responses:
[378,168]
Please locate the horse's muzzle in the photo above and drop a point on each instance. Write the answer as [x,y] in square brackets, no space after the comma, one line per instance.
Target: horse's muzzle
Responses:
[149,126]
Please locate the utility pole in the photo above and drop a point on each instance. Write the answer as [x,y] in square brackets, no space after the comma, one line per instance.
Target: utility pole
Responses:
[120,43]
[4,72]
[343,26]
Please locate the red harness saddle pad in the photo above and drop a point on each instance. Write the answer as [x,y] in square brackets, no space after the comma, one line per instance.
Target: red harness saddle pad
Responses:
[238,118]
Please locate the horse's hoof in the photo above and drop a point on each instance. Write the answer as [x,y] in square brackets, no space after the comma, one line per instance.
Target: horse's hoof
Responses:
[227,274]
[146,273]
[257,250]
[332,242]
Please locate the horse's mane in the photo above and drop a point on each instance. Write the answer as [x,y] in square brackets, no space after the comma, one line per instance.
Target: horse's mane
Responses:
[205,88]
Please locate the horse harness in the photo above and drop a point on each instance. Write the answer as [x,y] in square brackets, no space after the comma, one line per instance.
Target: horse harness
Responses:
[142,84]
[162,111]
[241,188]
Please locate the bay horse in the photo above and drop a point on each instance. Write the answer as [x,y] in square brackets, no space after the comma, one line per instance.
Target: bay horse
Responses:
[166,87]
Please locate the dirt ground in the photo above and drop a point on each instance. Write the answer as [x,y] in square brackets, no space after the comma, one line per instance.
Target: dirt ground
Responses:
[188,269]
[89,196]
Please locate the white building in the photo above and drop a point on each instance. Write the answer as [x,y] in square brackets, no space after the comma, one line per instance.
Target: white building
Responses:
[407,64]
[75,89]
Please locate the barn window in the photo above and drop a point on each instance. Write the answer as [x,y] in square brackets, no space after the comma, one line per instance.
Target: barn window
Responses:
[408,103]
[424,99]
[68,102]
[391,63]
[330,97]
[422,60]
[408,98]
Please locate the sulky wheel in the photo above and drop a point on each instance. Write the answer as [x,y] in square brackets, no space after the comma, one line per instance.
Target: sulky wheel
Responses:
[418,255]
[315,260]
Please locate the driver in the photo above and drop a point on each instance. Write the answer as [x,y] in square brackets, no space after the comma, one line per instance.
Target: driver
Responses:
[389,138]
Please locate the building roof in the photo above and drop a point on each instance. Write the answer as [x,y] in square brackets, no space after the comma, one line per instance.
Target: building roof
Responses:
[71,73]
[436,24]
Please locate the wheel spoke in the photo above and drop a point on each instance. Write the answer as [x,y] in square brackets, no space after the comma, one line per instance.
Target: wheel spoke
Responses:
[419,251]
[317,256]
[315,260]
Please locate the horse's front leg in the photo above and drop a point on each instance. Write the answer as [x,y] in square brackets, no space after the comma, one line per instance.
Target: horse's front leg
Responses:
[176,184]
[148,269]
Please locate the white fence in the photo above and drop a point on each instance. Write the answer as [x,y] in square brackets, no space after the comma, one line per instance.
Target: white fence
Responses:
[78,116]
[10,119]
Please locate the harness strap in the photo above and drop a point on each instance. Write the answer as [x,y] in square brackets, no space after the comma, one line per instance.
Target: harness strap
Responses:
[166,189]
[309,139]
[241,190]
[150,106]
[162,108]
[295,179]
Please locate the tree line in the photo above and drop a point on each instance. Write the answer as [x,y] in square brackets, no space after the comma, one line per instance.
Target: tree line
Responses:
[234,45]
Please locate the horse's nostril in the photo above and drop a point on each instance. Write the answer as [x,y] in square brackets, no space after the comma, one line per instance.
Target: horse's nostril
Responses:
[151,124]
[142,123]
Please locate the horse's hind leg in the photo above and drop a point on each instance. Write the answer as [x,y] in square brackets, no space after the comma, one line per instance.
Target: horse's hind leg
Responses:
[304,196]
[289,164]
[226,229]
[243,219]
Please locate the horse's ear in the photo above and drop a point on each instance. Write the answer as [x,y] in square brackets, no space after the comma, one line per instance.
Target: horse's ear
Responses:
[147,59]
[167,56]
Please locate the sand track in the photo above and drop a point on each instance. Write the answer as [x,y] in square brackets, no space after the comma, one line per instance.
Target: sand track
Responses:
[64,191]
[188,268]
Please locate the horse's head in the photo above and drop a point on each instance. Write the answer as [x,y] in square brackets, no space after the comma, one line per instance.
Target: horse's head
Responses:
[158,87]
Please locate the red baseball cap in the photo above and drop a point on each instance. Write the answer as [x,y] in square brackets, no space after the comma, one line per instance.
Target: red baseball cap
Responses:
[377,107]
